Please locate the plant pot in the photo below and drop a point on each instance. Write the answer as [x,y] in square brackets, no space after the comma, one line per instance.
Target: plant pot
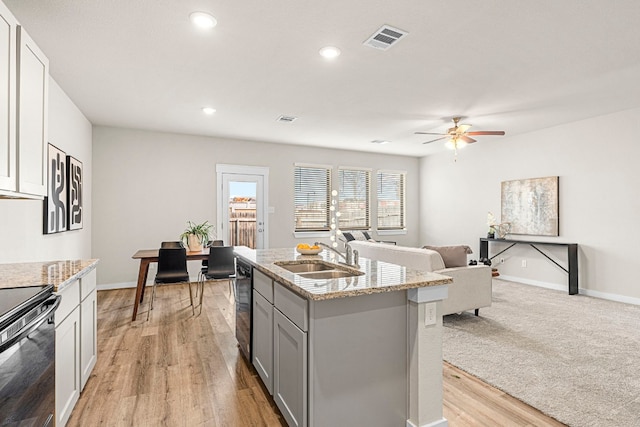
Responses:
[194,244]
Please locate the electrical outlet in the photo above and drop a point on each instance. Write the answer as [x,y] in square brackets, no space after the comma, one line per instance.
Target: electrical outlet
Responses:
[430,314]
[501,260]
[524,263]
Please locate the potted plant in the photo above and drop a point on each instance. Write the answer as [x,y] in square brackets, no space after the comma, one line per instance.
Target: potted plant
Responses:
[196,235]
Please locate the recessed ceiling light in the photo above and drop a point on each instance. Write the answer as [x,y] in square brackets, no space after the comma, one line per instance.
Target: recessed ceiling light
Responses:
[379,141]
[203,20]
[208,110]
[330,52]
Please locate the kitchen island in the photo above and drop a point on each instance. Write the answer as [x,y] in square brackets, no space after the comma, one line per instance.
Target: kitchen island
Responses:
[344,345]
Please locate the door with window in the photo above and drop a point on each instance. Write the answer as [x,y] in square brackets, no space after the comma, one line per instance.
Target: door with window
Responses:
[242,204]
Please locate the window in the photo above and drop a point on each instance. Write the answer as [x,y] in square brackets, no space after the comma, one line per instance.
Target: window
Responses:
[312,198]
[391,194]
[353,199]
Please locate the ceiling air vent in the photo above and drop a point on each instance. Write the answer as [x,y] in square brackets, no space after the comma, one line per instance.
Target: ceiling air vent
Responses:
[286,119]
[385,37]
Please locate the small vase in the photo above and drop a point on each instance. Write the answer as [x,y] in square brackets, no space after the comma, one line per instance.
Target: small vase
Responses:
[194,243]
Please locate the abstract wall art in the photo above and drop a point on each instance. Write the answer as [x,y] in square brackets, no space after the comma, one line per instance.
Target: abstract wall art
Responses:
[530,206]
[55,203]
[74,193]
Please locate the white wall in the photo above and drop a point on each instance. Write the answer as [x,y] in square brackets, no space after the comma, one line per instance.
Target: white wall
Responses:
[21,220]
[147,185]
[597,162]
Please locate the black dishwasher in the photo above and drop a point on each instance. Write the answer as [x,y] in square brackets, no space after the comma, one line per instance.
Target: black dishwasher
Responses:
[243,307]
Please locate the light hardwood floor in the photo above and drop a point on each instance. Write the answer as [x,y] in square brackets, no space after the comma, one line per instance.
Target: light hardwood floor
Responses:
[181,370]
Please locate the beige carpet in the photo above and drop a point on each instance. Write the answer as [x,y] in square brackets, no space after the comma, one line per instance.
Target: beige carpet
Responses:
[573,357]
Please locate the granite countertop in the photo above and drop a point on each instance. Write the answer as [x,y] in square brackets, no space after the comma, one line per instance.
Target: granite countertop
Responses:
[57,273]
[378,276]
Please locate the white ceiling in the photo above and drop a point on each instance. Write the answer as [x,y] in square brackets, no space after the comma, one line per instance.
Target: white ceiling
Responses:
[510,65]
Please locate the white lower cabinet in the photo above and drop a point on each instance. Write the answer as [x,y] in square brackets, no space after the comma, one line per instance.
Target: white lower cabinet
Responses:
[263,339]
[290,370]
[67,365]
[76,343]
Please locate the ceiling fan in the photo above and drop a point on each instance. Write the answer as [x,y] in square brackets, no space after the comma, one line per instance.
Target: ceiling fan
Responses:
[459,135]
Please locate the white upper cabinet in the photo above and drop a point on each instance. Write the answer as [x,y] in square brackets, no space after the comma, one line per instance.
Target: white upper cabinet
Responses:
[8,66]
[32,111]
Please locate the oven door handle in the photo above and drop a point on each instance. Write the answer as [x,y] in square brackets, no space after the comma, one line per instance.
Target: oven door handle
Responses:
[53,302]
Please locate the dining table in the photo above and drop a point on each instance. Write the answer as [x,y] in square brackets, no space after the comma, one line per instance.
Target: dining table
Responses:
[146,257]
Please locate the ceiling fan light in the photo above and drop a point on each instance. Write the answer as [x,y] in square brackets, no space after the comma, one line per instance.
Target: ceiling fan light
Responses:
[451,144]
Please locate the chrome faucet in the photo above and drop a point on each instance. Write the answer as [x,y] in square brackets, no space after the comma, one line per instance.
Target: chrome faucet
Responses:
[350,259]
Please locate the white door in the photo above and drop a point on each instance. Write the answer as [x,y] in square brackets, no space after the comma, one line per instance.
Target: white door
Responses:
[242,205]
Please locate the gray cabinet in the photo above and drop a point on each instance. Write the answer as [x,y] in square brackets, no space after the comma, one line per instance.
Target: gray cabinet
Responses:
[290,369]
[263,339]
[279,328]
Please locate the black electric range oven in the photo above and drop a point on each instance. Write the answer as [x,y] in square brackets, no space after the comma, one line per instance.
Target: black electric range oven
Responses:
[27,355]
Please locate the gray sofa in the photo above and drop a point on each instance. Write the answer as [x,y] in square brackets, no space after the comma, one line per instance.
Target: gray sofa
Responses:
[471,287]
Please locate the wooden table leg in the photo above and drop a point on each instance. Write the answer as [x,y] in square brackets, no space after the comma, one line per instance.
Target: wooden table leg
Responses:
[142,281]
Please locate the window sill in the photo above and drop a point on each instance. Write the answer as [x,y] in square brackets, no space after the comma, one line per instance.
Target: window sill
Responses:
[307,234]
[397,232]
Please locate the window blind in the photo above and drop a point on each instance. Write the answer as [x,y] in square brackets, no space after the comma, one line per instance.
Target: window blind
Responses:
[312,198]
[391,200]
[353,199]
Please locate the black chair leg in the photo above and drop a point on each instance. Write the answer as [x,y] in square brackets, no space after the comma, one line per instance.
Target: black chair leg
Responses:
[477,311]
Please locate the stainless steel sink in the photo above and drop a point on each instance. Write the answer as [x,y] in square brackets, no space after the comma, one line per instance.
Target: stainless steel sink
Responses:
[318,270]
[305,267]
[331,274]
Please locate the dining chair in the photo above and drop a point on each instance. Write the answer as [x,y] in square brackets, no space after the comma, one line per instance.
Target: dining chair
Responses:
[167,245]
[172,268]
[221,266]
[205,262]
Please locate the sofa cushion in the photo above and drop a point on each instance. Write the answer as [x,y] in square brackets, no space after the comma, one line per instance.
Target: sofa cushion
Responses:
[416,258]
[453,256]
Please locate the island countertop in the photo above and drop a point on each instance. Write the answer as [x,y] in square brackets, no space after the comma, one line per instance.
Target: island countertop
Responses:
[378,276]
[56,273]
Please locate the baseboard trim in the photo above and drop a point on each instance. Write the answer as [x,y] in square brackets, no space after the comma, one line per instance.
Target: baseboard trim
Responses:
[112,286]
[438,423]
[564,288]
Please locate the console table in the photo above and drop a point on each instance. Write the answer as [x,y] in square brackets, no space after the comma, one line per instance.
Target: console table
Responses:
[572,256]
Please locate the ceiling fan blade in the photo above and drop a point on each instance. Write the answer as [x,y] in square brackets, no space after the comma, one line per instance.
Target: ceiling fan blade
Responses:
[437,139]
[466,139]
[429,133]
[486,132]
[463,128]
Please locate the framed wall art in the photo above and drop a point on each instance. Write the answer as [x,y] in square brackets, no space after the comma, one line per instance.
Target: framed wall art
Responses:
[55,202]
[530,206]
[74,193]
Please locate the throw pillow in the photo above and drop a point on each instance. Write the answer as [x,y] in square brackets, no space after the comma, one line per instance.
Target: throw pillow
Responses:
[348,236]
[358,235]
[452,256]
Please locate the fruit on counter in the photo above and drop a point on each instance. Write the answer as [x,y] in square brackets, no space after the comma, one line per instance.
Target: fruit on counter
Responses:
[307,246]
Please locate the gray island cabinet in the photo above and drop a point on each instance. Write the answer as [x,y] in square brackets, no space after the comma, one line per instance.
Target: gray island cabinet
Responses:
[361,350]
